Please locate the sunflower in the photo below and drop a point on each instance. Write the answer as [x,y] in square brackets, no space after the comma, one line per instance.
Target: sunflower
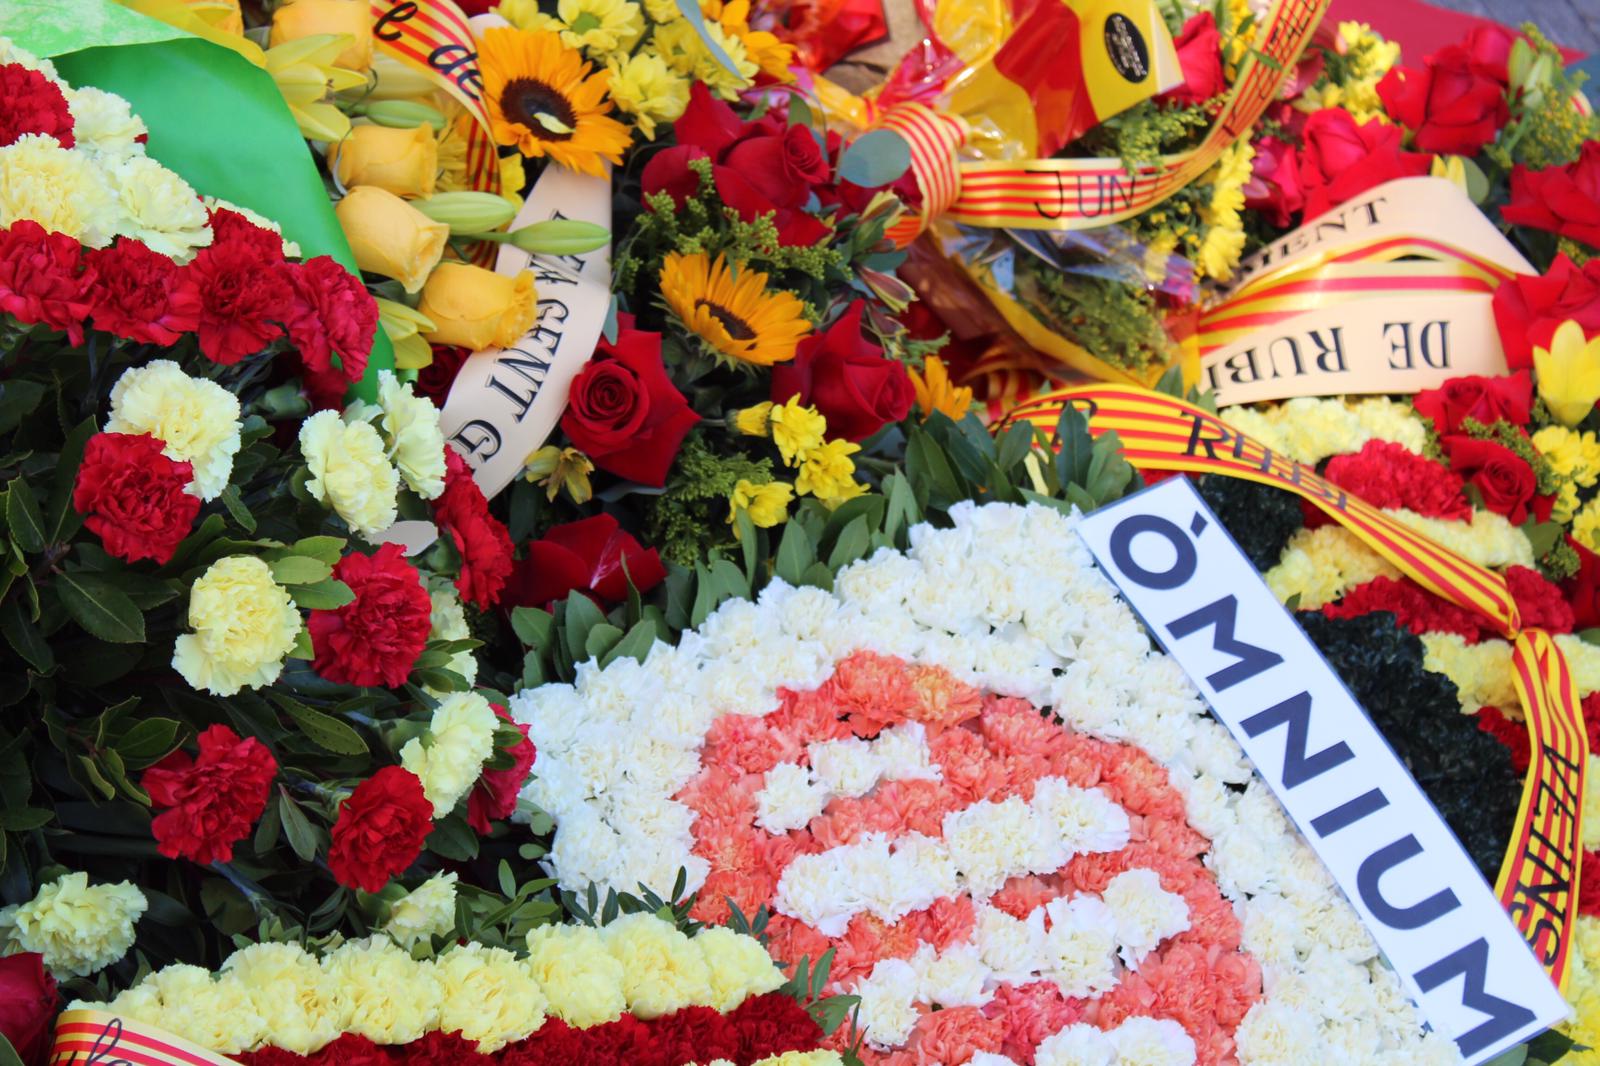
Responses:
[733,312]
[543,99]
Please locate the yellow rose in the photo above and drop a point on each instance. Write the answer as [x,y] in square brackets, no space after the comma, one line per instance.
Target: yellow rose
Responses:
[580,978]
[305,18]
[389,236]
[489,996]
[476,308]
[662,970]
[402,161]
[740,967]
[350,471]
[244,623]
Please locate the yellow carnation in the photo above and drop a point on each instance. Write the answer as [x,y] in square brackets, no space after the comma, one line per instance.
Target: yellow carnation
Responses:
[646,88]
[62,190]
[449,622]
[803,1058]
[427,910]
[767,505]
[1310,430]
[411,426]
[103,124]
[449,760]
[159,208]
[1318,565]
[381,992]
[244,624]
[828,471]
[197,420]
[796,429]
[739,966]
[488,996]
[188,1002]
[79,928]
[350,471]
[287,988]
[1482,671]
[581,980]
[662,971]
[1583,990]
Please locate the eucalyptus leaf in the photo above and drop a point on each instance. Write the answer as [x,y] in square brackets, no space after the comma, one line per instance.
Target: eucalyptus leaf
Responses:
[877,157]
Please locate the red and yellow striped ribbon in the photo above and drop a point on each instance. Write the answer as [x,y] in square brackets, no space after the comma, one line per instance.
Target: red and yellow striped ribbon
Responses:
[88,1037]
[933,139]
[1538,879]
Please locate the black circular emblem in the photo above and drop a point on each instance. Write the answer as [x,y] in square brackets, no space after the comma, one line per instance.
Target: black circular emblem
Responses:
[1125,45]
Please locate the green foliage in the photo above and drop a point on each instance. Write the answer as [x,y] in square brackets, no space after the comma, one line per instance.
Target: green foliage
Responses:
[690,519]
[1103,310]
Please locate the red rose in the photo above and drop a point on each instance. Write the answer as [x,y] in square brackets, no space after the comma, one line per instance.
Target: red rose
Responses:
[132,496]
[783,167]
[380,829]
[1503,477]
[846,377]
[1274,186]
[772,1024]
[435,379]
[1452,105]
[708,123]
[623,410]
[245,297]
[1486,399]
[1200,55]
[333,314]
[375,638]
[588,556]
[32,103]
[480,538]
[1341,159]
[28,1004]
[1528,308]
[1489,44]
[43,279]
[142,295]
[668,171]
[1583,588]
[214,799]
[1563,200]
[495,794]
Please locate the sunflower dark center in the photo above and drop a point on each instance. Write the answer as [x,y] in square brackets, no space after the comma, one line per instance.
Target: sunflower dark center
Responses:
[737,327]
[524,99]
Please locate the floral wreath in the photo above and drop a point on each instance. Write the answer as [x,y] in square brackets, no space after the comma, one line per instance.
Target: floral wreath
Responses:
[965,772]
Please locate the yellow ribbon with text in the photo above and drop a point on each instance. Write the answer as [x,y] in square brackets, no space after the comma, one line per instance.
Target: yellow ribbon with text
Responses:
[87,1037]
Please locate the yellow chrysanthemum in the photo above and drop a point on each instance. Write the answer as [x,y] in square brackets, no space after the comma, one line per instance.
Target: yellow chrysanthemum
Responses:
[525,15]
[59,188]
[770,54]
[604,27]
[543,99]
[644,87]
[733,312]
[1586,525]
[936,392]
[796,429]
[1224,240]
[244,624]
[767,505]
[685,51]
[79,928]
[828,472]
[755,421]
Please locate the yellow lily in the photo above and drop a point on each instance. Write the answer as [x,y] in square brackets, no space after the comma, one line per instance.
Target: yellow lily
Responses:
[936,392]
[404,327]
[1569,373]
[561,468]
[307,78]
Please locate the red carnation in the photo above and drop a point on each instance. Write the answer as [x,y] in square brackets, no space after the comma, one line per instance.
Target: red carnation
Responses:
[1453,105]
[1414,607]
[1504,478]
[1591,719]
[1540,603]
[847,378]
[215,799]
[593,556]
[1564,200]
[495,794]
[245,296]
[1514,735]
[28,1004]
[481,539]
[1529,308]
[32,103]
[230,227]
[132,496]
[380,829]
[333,315]
[43,279]
[435,379]
[1200,56]
[1486,400]
[772,1024]
[375,638]
[1389,475]
[623,411]
[142,295]
[694,1034]
[1589,884]
[1341,159]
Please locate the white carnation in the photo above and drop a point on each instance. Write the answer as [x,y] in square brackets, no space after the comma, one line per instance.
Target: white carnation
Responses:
[1076,1045]
[789,798]
[1146,913]
[1152,1042]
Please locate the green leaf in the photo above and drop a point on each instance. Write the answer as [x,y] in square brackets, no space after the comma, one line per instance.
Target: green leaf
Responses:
[22,819]
[95,778]
[507,879]
[22,515]
[60,520]
[297,827]
[101,608]
[818,575]
[235,505]
[24,636]
[322,595]
[635,645]
[795,553]
[1589,636]
[452,838]
[581,616]
[853,542]
[878,157]
[532,626]
[8,1054]
[1074,446]
[300,570]
[601,639]
[1015,444]
[302,646]
[148,740]
[328,549]
[323,730]
[747,544]
[17,400]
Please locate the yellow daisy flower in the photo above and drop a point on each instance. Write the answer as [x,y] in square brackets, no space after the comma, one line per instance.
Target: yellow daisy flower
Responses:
[542,98]
[733,313]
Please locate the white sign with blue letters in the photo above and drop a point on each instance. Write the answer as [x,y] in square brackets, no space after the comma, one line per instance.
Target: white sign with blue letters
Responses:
[1460,958]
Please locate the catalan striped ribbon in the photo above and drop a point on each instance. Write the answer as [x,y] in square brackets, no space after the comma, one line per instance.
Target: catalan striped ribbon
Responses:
[933,139]
[88,1037]
[1539,876]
